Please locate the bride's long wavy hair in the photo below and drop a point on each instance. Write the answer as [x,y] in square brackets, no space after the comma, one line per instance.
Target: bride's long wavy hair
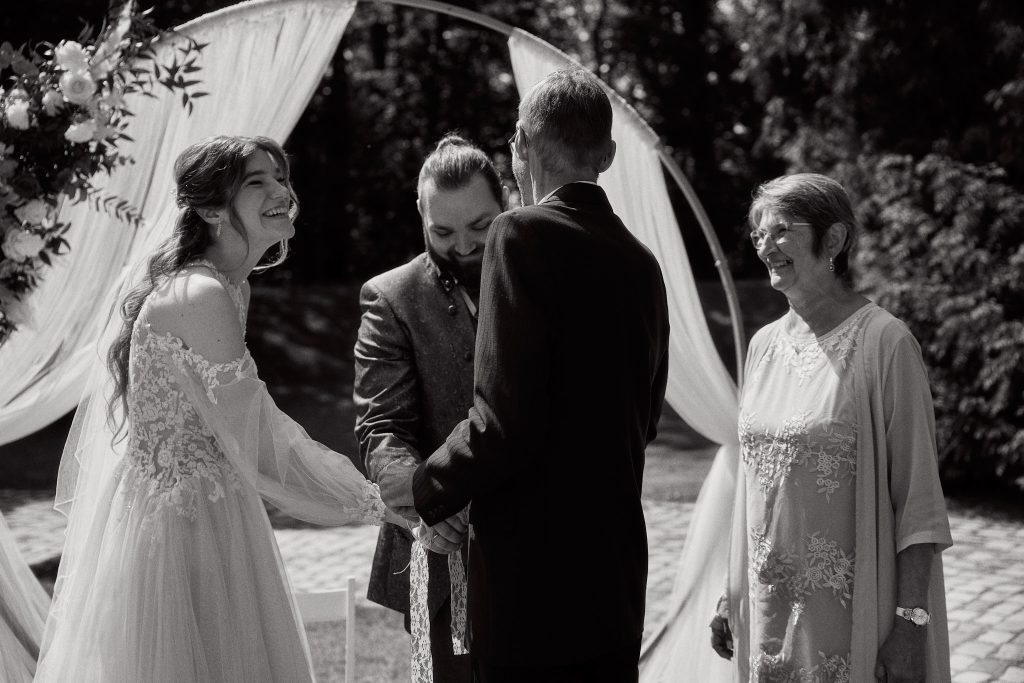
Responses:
[207,175]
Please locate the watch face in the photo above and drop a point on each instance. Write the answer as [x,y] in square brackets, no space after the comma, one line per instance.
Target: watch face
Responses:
[919,616]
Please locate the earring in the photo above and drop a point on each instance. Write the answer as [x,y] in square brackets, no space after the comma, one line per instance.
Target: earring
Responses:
[216,230]
[831,264]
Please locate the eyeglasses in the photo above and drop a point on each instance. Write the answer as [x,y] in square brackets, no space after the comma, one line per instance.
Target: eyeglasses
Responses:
[777,232]
[515,135]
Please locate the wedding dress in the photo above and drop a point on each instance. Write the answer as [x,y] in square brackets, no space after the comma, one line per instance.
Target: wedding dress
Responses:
[170,572]
[23,606]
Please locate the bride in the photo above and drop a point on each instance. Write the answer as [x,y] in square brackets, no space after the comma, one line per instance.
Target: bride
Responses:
[170,572]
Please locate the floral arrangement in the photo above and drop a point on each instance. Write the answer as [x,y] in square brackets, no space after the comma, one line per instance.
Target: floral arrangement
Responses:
[62,120]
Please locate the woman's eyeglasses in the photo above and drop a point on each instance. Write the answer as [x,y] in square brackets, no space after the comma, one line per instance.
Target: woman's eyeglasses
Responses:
[777,232]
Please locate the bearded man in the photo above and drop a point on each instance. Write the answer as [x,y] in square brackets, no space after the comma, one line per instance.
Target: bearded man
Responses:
[414,369]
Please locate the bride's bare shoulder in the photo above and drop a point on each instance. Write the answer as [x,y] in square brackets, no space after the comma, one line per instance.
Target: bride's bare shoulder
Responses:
[194,306]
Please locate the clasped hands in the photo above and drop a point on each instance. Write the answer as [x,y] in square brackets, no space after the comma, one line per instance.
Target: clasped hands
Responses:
[446,536]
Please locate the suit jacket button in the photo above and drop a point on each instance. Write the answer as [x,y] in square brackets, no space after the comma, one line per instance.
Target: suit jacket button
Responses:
[468,356]
[452,310]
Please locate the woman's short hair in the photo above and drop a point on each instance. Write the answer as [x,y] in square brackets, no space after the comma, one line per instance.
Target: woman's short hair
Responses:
[568,120]
[816,199]
[454,162]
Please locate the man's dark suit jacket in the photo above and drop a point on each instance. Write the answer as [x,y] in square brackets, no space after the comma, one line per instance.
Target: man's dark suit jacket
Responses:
[413,384]
[571,366]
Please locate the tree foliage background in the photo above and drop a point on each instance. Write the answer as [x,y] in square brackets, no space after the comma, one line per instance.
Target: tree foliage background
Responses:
[917,107]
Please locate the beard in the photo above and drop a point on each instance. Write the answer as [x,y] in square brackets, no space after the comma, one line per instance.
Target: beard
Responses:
[521,172]
[466,272]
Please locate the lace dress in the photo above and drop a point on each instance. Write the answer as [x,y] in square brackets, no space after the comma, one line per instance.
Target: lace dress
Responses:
[171,573]
[798,445]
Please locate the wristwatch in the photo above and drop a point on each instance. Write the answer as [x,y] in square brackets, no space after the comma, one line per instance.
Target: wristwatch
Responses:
[918,616]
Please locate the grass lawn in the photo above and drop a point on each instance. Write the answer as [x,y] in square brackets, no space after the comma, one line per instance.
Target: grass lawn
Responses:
[382,648]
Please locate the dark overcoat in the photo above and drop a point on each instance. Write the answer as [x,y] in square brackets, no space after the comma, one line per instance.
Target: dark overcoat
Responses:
[571,368]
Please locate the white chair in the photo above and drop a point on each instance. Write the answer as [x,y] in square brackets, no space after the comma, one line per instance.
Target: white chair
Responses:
[334,605]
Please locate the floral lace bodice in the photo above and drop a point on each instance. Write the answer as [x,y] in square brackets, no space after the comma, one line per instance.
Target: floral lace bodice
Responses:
[172,450]
[798,446]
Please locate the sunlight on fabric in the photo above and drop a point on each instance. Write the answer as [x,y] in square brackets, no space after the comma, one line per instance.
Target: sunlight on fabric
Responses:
[261,67]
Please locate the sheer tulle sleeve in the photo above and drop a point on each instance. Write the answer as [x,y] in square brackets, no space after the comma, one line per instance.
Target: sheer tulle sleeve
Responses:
[297,474]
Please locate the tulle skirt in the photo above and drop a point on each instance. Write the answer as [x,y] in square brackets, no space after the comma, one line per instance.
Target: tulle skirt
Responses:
[179,586]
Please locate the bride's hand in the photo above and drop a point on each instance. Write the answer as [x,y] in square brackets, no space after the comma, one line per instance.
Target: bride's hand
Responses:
[393,517]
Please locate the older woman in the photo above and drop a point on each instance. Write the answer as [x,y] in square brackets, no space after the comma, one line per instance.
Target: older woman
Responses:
[839,523]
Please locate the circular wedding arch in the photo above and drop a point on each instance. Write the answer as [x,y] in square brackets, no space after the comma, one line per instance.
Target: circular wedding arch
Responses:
[47,370]
[664,153]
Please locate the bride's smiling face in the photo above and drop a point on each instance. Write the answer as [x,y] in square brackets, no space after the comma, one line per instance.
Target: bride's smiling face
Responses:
[263,201]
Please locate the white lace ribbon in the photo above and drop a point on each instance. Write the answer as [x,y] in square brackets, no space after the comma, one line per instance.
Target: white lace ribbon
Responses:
[419,616]
[458,574]
[419,613]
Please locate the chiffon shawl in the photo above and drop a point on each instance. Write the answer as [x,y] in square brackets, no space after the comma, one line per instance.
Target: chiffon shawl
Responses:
[899,498]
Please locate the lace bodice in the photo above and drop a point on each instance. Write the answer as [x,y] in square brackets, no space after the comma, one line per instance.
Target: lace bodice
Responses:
[798,445]
[175,397]
[171,449]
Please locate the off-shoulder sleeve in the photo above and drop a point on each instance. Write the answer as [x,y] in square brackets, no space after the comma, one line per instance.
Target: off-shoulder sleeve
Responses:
[297,474]
[914,488]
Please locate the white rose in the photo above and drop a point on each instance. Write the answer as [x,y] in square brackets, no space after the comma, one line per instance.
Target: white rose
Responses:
[18,116]
[77,86]
[21,244]
[52,101]
[71,56]
[81,132]
[35,211]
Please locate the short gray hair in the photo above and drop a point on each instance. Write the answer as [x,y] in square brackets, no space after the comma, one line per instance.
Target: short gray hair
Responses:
[568,120]
[815,198]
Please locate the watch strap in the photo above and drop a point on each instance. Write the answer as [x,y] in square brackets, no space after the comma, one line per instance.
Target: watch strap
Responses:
[918,616]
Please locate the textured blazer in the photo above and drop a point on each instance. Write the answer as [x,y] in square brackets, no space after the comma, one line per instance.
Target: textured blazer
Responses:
[571,367]
[413,384]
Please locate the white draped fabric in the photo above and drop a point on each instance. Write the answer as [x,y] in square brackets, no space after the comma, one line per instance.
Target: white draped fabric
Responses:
[700,389]
[23,607]
[262,64]
[260,75]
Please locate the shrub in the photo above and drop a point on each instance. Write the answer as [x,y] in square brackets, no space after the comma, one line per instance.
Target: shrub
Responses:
[943,249]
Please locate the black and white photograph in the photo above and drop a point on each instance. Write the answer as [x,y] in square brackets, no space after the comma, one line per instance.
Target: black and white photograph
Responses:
[511,341]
